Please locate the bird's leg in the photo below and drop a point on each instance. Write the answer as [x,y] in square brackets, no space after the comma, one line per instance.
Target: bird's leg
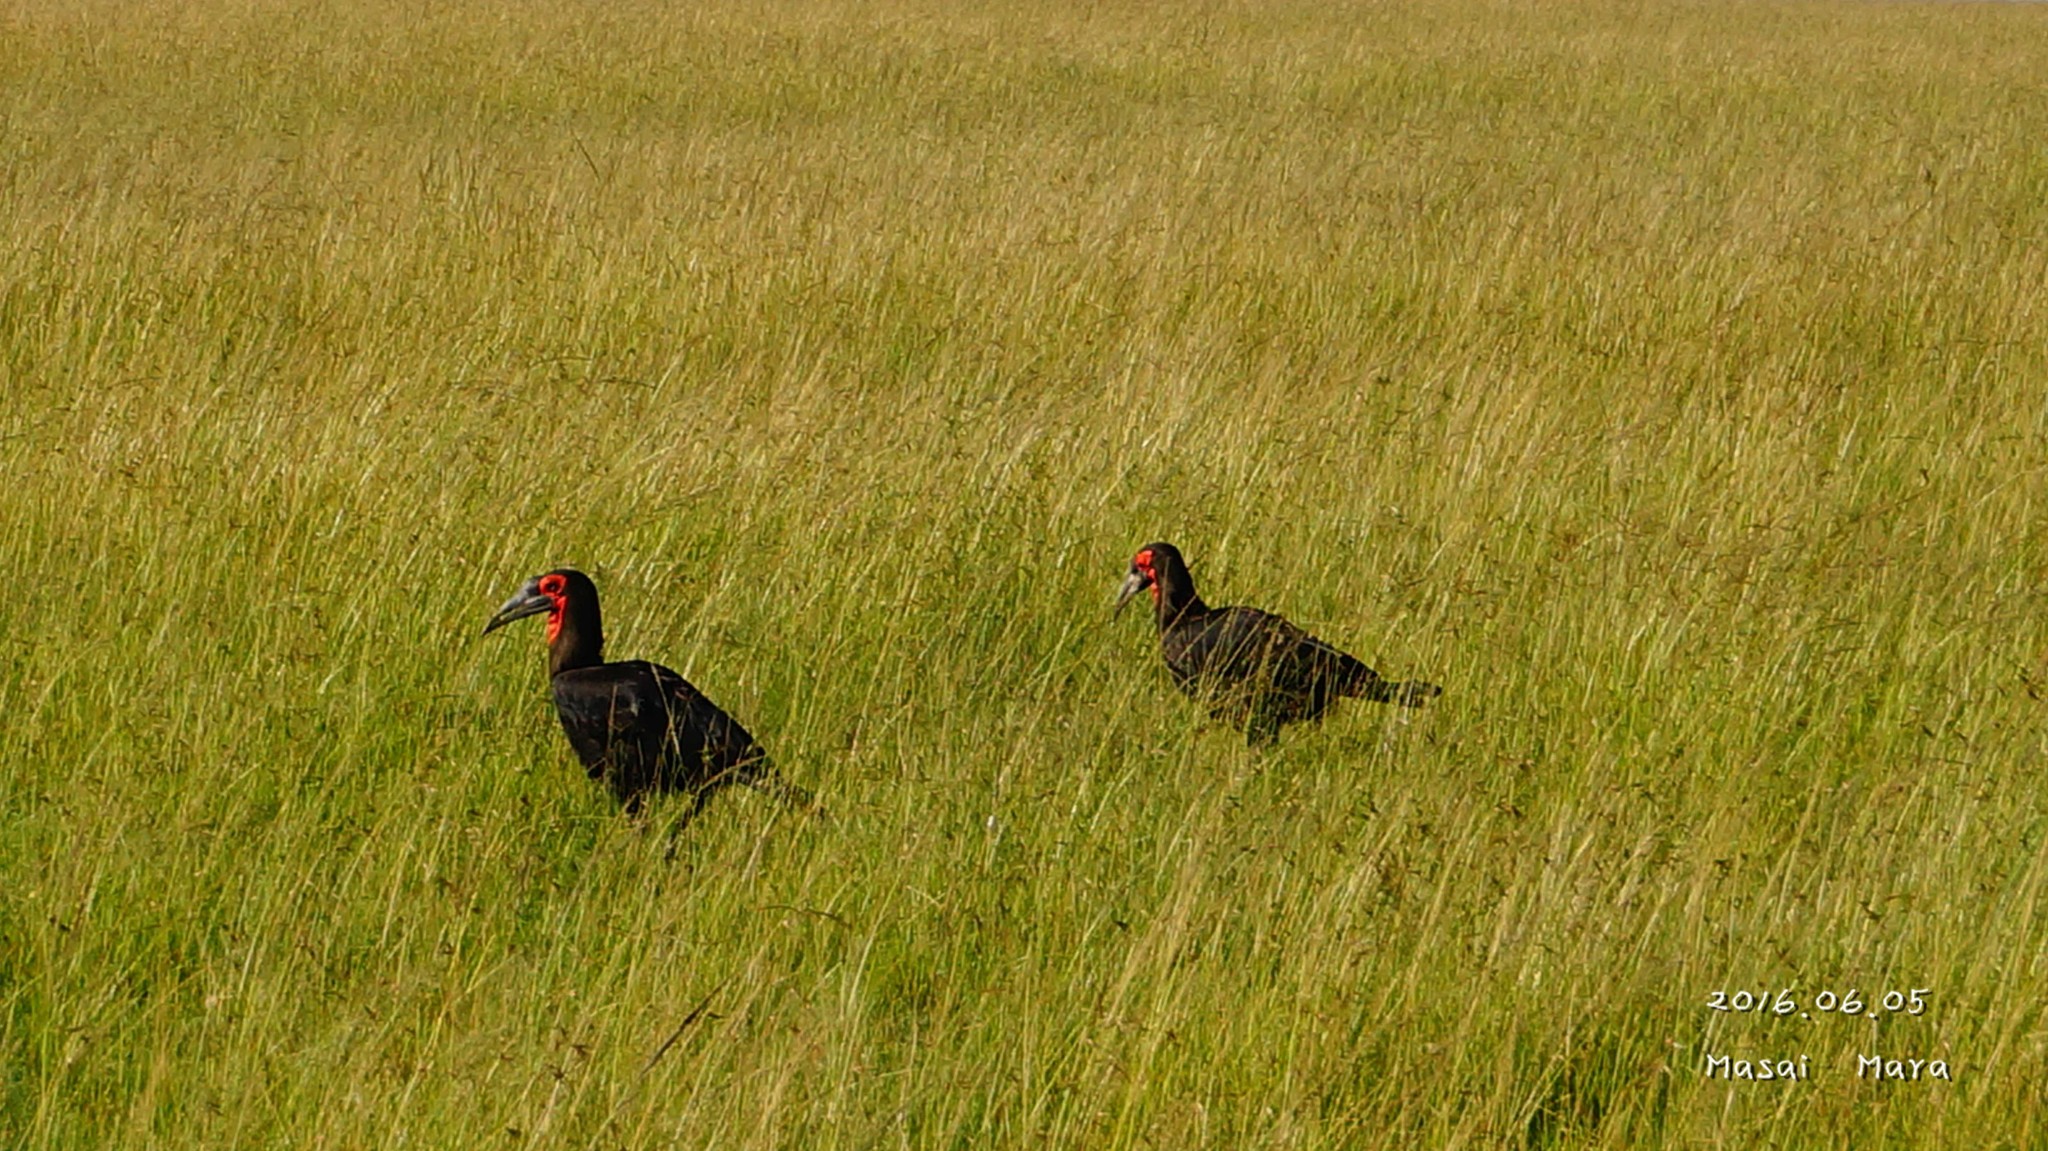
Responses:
[697,801]
[1261,732]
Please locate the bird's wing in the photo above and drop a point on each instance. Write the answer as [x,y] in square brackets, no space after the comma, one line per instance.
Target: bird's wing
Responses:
[1250,640]
[1298,661]
[730,752]
[612,709]
[697,723]
[1324,661]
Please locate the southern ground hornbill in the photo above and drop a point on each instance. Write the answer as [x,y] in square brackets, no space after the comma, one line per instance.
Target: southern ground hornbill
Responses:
[1254,670]
[636,725]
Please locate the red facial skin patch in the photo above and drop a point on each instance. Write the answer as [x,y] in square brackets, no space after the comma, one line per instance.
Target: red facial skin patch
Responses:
[1143,562]
[551,587]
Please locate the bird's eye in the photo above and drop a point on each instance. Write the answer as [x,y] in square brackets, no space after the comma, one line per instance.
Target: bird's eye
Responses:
[552,585]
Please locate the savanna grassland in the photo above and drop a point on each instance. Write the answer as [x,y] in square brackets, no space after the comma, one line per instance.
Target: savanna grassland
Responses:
[1668,381]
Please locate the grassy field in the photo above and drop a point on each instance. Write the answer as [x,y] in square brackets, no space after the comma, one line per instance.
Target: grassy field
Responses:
[1669,381]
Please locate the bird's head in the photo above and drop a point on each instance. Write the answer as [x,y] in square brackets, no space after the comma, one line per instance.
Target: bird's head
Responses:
[1146,569]
[560,593]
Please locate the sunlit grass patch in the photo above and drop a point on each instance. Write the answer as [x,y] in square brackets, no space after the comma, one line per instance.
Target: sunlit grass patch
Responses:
[1664,382]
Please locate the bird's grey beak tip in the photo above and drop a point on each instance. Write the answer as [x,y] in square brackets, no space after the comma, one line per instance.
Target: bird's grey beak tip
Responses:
[527,602]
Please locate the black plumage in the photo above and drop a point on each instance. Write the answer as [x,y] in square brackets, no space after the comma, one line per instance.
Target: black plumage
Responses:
[1253,670]
[638,726]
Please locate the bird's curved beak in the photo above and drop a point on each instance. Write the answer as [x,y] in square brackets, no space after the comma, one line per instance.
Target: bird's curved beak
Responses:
[1134,583]
[528,602]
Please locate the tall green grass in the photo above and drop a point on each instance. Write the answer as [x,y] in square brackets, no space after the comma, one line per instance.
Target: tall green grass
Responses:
[1669,381]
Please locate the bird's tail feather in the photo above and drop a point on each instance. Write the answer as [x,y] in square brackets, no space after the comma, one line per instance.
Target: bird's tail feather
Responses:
[1406,693]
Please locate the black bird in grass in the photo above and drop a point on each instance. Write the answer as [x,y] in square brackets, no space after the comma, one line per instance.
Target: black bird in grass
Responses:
[636,725]
[1254,670]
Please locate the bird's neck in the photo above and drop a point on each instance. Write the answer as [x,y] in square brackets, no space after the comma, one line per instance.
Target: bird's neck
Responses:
[577,642]
[1177,599]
